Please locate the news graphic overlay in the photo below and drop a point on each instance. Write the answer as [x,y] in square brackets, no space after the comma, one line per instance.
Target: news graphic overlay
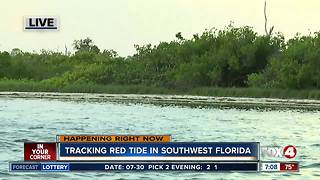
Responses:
[108,153]
[174,151]
[113,138]
[41,23]
[40,151]
[290,152]
[279,167]
[36,166]
[278,152]
[132,166]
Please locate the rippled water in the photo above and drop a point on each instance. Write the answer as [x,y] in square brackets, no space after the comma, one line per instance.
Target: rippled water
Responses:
[41,120]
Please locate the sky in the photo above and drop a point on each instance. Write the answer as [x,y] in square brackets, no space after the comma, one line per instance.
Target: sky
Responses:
[119,24]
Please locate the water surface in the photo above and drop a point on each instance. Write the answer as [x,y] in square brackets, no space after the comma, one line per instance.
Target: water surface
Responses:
[41,120]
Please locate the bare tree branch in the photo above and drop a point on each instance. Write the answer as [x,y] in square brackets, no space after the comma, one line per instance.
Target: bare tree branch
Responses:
[265,17]
[268,33]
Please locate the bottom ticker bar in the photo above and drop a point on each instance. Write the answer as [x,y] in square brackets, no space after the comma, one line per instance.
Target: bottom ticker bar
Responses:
[143,166]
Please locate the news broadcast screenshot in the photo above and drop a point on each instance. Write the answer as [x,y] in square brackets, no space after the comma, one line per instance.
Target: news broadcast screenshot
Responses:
[159,89]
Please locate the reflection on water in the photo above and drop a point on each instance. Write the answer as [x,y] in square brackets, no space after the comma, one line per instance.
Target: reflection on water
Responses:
[40,120]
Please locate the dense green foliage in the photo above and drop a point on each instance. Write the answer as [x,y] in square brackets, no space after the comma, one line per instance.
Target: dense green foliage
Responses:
[233,57]
[297,66]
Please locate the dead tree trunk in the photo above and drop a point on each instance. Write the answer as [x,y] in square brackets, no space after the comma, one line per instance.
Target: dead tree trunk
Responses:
[268,33]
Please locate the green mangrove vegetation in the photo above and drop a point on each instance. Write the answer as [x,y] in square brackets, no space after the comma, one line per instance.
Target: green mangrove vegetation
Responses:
[235,61]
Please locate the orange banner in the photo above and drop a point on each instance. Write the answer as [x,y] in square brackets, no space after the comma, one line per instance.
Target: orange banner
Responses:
[113,138]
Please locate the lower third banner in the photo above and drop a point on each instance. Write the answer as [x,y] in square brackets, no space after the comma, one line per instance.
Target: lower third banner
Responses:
[175,151]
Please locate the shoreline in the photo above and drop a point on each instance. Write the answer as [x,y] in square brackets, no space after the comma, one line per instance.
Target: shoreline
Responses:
[184,100]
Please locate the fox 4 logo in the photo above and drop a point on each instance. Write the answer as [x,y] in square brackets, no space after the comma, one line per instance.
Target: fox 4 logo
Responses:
[289,152]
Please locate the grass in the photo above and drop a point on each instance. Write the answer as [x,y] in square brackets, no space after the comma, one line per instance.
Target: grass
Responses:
[34,86]
[257,93]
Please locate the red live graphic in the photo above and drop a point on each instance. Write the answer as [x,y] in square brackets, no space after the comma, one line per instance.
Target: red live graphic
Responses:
[40,152]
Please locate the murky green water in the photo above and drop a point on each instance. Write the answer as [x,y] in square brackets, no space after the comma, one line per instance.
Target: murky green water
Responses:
[41,120]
